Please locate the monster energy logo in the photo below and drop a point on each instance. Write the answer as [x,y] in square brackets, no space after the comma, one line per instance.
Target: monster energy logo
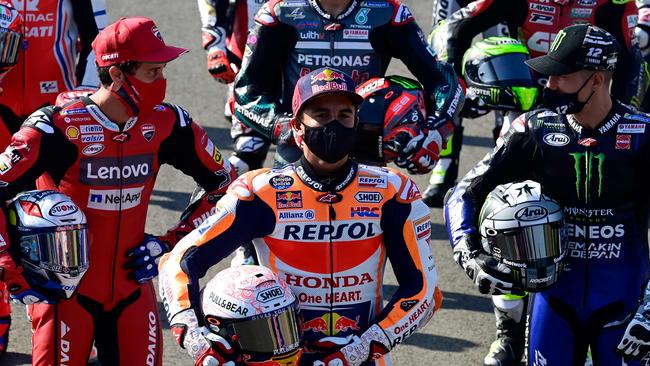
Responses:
[586,160]
[556,42]
[494,95]
[404,82]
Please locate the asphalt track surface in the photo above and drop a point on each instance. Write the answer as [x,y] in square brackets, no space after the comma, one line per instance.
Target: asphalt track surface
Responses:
[459,334]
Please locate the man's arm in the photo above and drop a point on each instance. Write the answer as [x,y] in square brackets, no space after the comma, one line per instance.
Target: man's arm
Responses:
[90,17]
[258,86]
[37,147]
[407,229]
[511,160]
[216,26]
[190,150]
[407,42]
[239,217]
[454,36]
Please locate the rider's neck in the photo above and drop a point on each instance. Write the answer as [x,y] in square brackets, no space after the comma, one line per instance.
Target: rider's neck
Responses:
[596,110]
[112,108]
[334,7]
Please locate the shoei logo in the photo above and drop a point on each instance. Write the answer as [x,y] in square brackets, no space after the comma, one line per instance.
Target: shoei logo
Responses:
[556,139]
[64,208]
[270,294]
[531,213]
[368,197]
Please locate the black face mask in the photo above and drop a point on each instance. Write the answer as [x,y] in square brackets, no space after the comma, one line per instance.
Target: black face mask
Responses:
[331,142]
[564,103]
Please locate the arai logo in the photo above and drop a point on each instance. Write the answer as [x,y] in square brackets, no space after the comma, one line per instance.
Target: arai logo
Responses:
[531,213]
[556,139]
[64,208]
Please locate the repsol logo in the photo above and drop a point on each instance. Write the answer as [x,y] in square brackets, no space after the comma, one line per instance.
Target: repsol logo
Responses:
[321,232]
[109,172]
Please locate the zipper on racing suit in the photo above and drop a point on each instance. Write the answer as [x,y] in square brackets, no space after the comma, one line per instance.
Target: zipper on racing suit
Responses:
[119,214]
[332,217]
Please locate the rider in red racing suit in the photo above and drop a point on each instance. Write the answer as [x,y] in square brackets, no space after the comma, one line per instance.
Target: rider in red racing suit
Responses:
[57,54]
[109,170]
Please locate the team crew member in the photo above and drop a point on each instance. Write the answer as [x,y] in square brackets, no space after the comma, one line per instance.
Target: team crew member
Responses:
[325,225]
[104,151]
[56,55]
[291,38]
[592,158]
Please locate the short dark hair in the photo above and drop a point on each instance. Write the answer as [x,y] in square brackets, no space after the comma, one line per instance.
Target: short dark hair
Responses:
[128,67]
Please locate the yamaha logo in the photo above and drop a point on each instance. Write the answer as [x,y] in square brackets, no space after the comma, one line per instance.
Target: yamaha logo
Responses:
[556,139]
[531,213]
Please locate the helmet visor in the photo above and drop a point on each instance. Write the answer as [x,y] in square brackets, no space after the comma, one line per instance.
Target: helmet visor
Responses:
[10,44]
[63,251]
[275,333]
[505,70]
[528,244]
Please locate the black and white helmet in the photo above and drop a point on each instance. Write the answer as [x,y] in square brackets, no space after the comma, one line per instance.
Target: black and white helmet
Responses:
[255,310]
[523,228]
[51,232]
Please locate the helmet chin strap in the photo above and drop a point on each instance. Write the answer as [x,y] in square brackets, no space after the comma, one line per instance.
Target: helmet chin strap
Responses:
[127,99]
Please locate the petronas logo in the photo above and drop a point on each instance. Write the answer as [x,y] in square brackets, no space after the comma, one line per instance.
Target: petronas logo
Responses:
[585,164]
[557,41]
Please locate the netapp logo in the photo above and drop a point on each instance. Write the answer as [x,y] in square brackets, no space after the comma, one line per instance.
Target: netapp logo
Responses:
[109,172]
[114,199]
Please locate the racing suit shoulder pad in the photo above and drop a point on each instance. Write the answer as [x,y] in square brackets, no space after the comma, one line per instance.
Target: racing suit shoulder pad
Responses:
[267,15]
[183,117]
[42,119]
[392,179]
[248,184]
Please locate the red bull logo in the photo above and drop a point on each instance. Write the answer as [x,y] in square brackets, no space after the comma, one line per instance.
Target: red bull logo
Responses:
[328,75]
[290,199]
[340,323]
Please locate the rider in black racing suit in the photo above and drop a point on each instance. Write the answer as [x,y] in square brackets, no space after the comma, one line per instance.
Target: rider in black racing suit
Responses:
[292,37]
[600,176]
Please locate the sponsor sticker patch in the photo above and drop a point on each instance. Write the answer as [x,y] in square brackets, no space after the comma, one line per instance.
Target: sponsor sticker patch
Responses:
[368,197]
[296,215]
[623,142]
[422,228]
[631,128]
[372,181]
[114,199]
[281,182]
[289,199]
